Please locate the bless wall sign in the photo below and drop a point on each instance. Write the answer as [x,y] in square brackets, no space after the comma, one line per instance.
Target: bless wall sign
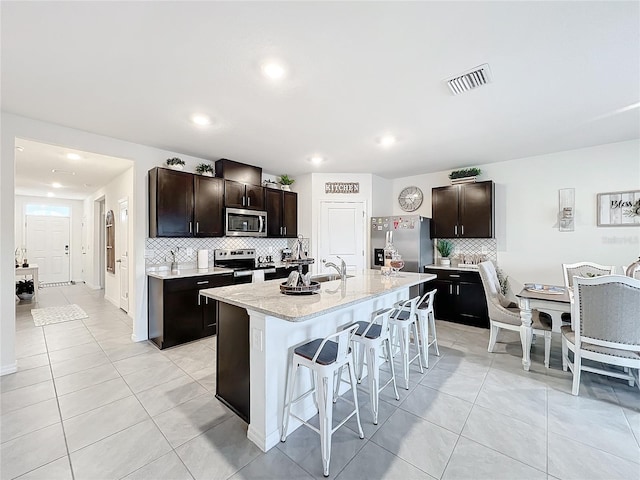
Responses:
[342,187]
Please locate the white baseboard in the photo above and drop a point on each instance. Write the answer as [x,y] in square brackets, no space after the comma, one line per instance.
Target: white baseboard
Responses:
[7,369]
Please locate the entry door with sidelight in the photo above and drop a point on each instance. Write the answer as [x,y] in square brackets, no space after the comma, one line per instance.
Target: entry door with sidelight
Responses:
[48,246]
[342,233]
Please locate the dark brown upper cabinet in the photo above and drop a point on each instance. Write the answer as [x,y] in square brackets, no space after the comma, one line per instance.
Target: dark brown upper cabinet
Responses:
[241,195]
[184,205]
[463,211]
[282,213]
[238,172]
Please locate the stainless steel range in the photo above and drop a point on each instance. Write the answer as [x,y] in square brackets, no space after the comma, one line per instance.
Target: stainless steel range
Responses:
[242,262]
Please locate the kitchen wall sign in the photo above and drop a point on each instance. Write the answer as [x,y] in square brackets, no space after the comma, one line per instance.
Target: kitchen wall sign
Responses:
[342,187]
[619,209]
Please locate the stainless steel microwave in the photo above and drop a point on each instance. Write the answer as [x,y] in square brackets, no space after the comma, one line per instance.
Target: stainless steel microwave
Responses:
[245,223]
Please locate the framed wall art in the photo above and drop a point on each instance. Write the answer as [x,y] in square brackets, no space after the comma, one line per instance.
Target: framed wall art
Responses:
[619,209]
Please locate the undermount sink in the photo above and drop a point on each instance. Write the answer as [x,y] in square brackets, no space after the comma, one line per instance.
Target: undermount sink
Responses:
[327,277]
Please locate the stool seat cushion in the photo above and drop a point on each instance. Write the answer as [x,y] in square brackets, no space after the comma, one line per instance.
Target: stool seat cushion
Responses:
[403,315]
[374,331]
[327,356]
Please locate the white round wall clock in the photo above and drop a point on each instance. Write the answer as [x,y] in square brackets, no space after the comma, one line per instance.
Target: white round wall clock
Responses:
[410,199]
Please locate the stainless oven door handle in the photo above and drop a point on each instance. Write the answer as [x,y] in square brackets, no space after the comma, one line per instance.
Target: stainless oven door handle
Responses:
[269,270]
[243,273]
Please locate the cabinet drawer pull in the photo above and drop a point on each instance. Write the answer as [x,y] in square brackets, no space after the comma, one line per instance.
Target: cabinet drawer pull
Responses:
[457,289]
[190,230]
[450,289]
[203,282]
[455,276]
[455,230]
[462,230]
[197,227]
[243,200]
[285,230]
[248,201]
[280,230]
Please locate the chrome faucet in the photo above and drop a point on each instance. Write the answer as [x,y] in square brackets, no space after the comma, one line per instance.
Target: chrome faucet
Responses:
[342,269]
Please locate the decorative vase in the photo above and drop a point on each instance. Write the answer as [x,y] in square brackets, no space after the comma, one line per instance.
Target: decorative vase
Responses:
[176,167]
[445,262]
[286,188]
[25,296]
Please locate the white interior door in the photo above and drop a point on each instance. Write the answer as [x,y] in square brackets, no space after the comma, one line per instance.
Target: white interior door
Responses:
[123,246]
[342,233]
[48,246]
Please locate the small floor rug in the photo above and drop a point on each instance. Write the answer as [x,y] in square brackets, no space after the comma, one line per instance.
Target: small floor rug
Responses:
[49,315]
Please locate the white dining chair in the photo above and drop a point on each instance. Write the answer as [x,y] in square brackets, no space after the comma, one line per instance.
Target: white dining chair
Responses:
[606,328]
[582,269]
[503,315]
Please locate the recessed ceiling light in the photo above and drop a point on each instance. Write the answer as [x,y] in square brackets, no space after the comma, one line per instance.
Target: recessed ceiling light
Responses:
[73,156]
[387,140]
[20,148]
[316,159]
[273,70]
[50,194]
[201,119]
[62,172]
[56,185]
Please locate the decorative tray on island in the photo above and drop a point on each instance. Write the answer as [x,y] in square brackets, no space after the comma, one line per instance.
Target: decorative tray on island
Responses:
[549,289]
[300,288]
[310,289]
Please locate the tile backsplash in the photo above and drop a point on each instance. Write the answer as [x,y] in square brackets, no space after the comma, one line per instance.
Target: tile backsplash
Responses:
[158,249]
[474,247]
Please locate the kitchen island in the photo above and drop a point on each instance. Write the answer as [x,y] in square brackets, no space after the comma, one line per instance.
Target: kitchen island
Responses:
[270,324]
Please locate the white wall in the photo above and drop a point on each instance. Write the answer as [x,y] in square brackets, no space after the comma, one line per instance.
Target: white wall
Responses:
[530,247]
[144,158]
[381,196]
[75,238]
[118,189]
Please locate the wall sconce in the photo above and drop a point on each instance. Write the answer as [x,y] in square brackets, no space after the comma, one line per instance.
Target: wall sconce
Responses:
[566,213]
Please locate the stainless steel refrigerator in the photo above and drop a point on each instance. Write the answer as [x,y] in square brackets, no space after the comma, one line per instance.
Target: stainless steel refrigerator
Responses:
[410,236]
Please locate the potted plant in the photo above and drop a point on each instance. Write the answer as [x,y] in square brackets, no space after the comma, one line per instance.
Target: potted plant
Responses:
[24,289]
[445,248]
[205,169]
[464,175]
[286,181]
[175,163]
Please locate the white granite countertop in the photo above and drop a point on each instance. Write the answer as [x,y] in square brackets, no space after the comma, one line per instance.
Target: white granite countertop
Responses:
[164,273]
[265,297]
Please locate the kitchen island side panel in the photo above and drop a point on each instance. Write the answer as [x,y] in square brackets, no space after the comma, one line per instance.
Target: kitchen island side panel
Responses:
[233,372]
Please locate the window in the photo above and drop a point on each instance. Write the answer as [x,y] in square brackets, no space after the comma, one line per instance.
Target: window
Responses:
[48,210]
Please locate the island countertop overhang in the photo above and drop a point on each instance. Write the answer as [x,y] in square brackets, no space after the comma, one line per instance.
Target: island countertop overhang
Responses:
[265,297]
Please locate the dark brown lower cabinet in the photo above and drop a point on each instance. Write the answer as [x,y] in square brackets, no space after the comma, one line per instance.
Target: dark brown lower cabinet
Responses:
[176,314]
[460,297]
[232,363]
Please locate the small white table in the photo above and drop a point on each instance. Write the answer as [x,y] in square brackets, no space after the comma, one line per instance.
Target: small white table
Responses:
[32,270]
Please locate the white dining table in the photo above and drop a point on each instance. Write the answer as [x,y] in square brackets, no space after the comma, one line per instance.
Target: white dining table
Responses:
[554,304]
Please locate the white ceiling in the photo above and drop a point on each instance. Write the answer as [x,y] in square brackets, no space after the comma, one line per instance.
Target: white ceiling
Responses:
[76,178]
[137,70]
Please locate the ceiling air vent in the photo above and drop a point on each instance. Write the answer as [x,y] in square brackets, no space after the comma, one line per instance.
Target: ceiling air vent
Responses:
[469,80]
